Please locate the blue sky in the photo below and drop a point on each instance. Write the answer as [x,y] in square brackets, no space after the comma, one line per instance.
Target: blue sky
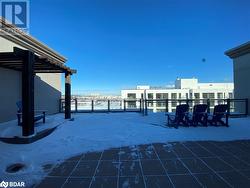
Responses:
[117,44]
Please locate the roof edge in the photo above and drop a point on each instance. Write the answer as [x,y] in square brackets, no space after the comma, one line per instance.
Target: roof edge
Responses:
[28,41]
[239,50]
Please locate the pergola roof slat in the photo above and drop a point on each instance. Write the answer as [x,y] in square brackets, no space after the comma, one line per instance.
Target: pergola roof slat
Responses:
[14,60]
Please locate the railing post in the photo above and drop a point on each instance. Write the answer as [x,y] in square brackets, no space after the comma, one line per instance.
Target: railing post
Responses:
[146,107]
[246,106]
[92,105]
[76,107]
[166,105]
[108,105]
[124,105]
[140,106]
[208,105]
[228,106]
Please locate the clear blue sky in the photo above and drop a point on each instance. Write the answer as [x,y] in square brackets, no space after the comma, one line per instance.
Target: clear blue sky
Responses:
[116,44]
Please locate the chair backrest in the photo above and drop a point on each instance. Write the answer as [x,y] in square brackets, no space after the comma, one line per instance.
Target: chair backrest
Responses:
[19,105]
[181,110]
[220,110]
[200,108]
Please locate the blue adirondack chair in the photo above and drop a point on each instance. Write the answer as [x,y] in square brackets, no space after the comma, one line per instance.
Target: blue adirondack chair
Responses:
[38,114]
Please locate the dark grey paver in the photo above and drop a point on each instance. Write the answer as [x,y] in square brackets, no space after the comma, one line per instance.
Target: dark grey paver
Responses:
[181,181]
[217,164]
[77,182]
[52,182]
[174,166]
[236,179]
[131,182]
[152,167]
[158,182]
[104,182]
[107,168]
[130,168]
[196,165]
[211,181]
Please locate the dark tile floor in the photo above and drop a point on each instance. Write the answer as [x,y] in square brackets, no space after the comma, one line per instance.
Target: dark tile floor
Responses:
[176,164]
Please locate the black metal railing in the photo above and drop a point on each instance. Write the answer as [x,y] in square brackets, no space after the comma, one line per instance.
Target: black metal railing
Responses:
[103,105]
[236,107]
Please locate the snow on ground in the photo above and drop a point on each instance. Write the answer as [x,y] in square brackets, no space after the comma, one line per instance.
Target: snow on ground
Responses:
[95,132]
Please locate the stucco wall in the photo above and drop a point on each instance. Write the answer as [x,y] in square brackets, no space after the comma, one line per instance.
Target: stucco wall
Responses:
[47,89]
[242,79]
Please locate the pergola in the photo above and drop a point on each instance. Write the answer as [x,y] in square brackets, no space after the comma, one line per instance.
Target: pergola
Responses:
[29,63]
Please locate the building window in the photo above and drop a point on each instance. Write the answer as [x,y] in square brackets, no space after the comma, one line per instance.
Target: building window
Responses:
[173,97]
[150,96]
[230,95]
[196,97]
[209,96]
[131,96]
[161,96]
[220,95]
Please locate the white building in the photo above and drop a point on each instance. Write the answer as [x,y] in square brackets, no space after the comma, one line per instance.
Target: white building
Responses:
[183,89]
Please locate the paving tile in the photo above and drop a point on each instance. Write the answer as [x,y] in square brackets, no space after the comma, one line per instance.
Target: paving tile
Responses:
[130,168]
[77,183]
[244,158]
[163,146]
[183,152]
[211,181]
[191,144]
[148,153]
[236,163]
[236,179]
[152,167]
[75,158]
[246,173]
[217,151]
[131,182]
[145,147]
[163,154]
[200,152]
[107,168]
[181,181]
[236,151]
[63,169]
[128,154]
[104,182]
[158,182]
[174,166]
[196,166]
[85,169]
[110,155]
[91,156]
[52,182]
[217,164]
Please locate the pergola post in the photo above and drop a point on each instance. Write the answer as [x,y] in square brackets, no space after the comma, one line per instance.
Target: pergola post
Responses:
[67,96]
[28,93]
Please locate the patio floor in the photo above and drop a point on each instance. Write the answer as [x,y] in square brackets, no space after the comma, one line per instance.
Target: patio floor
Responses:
[176,164]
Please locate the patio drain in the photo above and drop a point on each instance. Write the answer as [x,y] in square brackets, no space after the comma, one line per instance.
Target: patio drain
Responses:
[14,168]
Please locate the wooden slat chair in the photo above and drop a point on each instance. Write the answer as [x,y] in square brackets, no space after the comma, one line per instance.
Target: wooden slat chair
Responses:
[199,115]
[38,114]
[179,116]
[220,112]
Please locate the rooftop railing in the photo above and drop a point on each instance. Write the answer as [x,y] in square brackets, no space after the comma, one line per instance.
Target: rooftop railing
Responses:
[236,107]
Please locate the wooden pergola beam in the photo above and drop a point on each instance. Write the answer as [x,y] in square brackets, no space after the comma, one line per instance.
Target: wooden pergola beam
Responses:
[28,93]
[67,96]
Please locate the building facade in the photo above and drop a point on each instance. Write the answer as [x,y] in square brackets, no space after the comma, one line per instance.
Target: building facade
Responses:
[47,86]
[183,89]
[241,69]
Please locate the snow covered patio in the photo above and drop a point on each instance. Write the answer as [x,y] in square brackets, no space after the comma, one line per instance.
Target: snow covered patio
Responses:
[142,139]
